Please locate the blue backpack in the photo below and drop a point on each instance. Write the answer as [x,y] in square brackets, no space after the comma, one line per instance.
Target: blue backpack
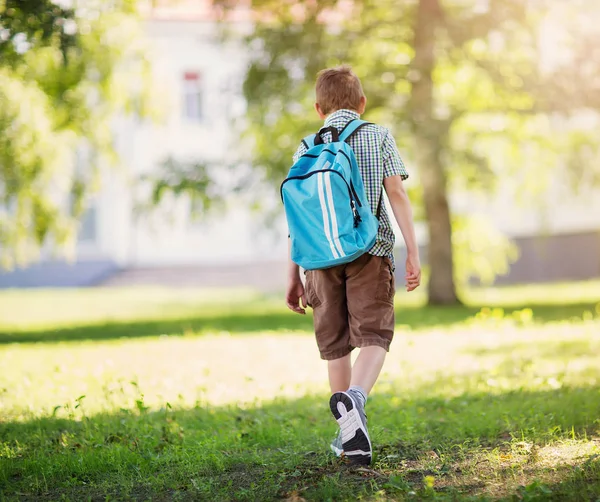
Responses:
[328,214]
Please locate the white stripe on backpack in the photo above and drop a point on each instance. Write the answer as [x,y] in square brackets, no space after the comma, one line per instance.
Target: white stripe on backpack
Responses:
[334,225]
[325,215]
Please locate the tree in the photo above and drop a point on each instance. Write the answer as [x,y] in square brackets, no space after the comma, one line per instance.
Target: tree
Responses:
[429,134]
[456,79]
[34,22]
[65,74]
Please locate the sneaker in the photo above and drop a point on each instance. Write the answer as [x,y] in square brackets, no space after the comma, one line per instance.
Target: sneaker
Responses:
[336,445]
[355,437]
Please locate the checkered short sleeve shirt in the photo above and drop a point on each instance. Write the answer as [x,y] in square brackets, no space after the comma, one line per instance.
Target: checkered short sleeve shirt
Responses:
[378,158]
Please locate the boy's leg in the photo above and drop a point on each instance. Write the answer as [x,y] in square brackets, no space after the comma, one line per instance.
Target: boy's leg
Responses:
[367,367]
[340,371]
[370,294]
[370,291]
[326,293]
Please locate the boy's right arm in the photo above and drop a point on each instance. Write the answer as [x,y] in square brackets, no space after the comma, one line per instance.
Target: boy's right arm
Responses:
[295,289]
[299,152]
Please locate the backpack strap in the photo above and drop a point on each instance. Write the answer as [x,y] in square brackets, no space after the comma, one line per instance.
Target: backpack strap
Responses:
[319,136]
[352,128]
[309,141]
[378,214]
[344,135]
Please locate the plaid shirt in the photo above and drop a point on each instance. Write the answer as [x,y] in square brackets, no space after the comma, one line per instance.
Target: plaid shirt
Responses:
[378,158]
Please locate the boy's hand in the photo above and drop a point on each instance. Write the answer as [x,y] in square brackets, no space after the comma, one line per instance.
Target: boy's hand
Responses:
[413,272]
[295,293]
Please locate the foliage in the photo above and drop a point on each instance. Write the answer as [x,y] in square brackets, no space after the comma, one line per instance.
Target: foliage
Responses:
[191,178]
[65,75]
[480,251]
[489,90]
[25,23]
[486,411]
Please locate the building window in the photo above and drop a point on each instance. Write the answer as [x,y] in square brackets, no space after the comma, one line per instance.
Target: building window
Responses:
[193,109]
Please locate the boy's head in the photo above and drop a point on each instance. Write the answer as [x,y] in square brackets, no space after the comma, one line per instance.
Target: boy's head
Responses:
[339,88]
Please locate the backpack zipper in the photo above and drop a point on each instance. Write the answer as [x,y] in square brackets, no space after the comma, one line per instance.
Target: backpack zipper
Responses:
[351,192]
[349,162]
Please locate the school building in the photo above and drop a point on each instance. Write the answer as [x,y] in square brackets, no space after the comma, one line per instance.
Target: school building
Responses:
[200,79]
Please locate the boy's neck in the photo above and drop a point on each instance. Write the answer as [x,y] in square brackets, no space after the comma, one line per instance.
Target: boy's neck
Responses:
[340,110]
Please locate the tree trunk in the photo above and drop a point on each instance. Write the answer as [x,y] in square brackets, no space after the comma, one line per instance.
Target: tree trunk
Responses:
[430,137]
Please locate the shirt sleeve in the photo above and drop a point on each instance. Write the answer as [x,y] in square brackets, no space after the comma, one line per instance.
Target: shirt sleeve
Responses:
[392,163]
[300,151]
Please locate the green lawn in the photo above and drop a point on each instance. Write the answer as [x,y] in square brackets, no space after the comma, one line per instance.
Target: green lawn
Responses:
[154,394]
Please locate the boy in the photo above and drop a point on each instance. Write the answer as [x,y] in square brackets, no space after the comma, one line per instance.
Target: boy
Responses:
[353,304]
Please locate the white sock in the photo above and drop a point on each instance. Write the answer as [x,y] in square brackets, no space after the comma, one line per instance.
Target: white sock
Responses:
[360,393]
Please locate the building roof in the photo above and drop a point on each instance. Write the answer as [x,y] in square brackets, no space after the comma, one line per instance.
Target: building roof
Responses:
[193,11]
[238,10]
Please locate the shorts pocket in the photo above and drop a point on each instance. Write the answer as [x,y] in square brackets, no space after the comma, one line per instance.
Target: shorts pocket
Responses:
[309,291]
[386,286]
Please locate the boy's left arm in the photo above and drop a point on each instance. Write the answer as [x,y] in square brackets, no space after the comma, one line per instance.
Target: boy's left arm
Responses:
[403,212]
[394,173]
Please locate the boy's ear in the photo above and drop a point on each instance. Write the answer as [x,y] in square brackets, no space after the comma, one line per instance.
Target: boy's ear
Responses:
[362,105]
[320,112]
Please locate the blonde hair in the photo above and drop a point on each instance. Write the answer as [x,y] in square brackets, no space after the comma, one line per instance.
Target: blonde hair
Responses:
[338,88]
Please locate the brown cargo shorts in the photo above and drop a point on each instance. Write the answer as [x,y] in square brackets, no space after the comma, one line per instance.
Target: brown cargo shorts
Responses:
[353,305]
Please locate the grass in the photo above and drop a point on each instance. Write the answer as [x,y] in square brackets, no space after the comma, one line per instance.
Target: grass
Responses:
[101,314]
[190,395]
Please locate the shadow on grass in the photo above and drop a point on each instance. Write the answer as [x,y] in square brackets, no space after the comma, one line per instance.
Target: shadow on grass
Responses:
[279,450]
[540,349]
[270,320]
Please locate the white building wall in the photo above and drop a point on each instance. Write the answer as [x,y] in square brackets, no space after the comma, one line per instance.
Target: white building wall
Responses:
[170,237]
[561,210]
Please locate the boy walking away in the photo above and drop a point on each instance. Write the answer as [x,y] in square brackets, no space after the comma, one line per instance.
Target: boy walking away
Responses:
[341,234]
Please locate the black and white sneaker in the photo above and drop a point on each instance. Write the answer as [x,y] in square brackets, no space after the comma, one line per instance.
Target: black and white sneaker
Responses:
[355,437]
[336,445]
